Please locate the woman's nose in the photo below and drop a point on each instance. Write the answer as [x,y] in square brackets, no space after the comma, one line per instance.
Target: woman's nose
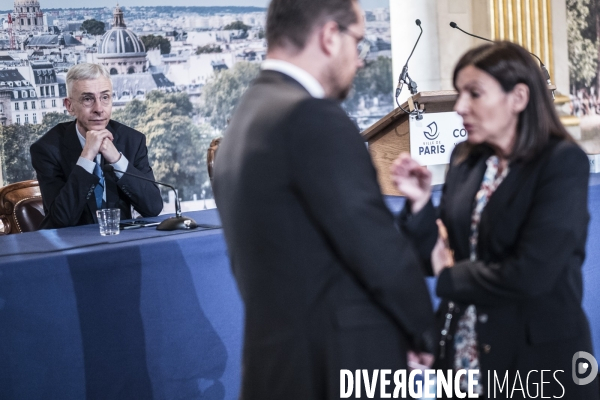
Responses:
[461,105]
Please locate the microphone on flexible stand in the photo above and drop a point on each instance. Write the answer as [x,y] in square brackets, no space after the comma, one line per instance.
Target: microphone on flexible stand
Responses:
[405,78]
[542,66]
[169,224]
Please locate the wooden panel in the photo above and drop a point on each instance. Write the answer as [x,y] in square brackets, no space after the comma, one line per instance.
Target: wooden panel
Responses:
[440,107]
[438,96]
[383,124]
[384,149]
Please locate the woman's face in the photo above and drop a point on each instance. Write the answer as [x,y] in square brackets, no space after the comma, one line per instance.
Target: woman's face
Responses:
[490,115]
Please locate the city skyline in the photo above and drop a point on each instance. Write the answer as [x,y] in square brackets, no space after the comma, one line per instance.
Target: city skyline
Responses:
[8,4]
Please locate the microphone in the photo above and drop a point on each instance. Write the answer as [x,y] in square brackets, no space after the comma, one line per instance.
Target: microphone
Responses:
[453,25]
[542,66]
[169,224]
[404,73]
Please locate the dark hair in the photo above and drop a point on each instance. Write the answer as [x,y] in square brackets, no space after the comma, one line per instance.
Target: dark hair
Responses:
[511,64]
[292,21]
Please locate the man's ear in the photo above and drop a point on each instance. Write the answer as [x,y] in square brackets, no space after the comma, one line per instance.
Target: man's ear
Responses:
[68,105]
[520,97]
[329,38]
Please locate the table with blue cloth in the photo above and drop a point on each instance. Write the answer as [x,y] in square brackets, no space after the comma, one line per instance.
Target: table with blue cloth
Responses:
[145,314]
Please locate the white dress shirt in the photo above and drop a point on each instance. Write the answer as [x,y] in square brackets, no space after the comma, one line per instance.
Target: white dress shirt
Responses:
[309,82]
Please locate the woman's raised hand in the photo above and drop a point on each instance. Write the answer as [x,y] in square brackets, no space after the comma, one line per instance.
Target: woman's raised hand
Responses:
[412,180]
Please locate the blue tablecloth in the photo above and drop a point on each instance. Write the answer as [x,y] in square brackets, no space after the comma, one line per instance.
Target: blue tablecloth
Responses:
[145,314]
[141,315]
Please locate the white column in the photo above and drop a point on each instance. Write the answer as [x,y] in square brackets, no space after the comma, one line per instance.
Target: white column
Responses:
[1,158]
[560,73]
[424,66]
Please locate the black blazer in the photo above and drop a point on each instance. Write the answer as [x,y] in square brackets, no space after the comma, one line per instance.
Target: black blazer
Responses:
[527,283]
[68,189]
[327,280]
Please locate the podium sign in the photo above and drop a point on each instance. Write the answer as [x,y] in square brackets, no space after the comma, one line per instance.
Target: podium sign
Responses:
[433,138]
[398,132]
[594,163]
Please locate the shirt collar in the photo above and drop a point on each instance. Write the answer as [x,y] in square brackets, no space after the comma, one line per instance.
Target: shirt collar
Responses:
[309,82]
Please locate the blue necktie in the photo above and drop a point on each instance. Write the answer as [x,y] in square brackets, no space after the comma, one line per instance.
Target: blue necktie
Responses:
[99,189]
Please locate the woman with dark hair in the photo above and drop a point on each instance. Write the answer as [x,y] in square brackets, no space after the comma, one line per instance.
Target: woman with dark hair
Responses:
[514,209]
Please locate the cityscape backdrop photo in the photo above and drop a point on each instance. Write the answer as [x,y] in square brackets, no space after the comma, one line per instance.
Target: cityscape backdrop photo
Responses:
[583,32]
[178,72]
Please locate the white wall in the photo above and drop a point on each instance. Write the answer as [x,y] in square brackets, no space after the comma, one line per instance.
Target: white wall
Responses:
[424,66]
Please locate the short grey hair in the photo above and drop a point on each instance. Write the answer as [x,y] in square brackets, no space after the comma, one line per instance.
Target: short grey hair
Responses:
[84,72]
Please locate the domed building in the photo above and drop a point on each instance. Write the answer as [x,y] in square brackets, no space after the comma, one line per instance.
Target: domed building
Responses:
[28,16]
[120,50]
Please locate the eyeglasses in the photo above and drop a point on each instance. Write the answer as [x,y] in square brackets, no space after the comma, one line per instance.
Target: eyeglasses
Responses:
[362,45]
[89,101]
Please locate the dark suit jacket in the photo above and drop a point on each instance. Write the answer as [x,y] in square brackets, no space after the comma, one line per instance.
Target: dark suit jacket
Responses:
[527,283]
[68,189]
[327,279]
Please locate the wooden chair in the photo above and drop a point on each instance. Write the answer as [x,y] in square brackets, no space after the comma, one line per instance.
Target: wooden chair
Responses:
[210,157]
[21,208]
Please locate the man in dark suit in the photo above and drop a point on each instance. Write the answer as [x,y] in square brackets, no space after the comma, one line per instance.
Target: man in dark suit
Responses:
[328,280]
[68,159]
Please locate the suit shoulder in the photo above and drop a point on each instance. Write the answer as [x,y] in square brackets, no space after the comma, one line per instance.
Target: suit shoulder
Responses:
[569,154]
[568,149]
[564,158]
[312,104]
[322,114]
[322,126]
[55,134]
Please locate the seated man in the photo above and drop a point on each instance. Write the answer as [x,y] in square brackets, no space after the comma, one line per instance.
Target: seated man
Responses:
[68,159]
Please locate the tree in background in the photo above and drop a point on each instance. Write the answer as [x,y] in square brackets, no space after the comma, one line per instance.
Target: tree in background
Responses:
[595,24]
[583,43]
[176,146]
[208,49]
[52,119]
[222,93]
[152,42]
[372,81]
[93,27]
[236,26]
[16,140]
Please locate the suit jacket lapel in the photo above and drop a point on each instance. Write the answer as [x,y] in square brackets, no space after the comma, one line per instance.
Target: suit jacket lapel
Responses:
[466,181]
[504,194]
[71,148]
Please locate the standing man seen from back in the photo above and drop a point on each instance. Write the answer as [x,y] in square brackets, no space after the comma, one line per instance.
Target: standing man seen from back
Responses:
[68,159]
[327,279]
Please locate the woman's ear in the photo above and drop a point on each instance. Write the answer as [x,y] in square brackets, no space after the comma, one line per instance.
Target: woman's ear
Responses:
[520,97]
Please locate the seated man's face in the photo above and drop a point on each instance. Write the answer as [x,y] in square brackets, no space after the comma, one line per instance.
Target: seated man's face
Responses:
[90,101]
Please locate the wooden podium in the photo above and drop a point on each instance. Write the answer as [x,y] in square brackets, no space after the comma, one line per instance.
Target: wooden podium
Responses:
[390,136]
